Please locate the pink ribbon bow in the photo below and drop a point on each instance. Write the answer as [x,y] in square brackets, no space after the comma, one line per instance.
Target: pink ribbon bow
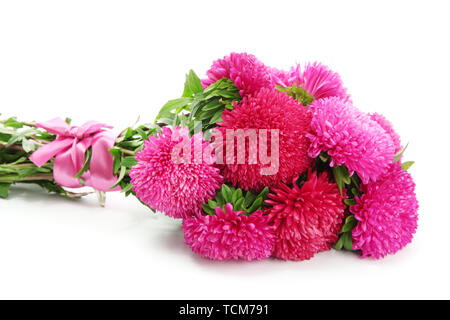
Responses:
[69,150]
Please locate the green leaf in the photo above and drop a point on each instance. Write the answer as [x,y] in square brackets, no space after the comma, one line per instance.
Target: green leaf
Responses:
[339,244]
[172,105]
[227,193]
[400,153]
[127,188]
[193,85]
[350,224]
[14,138]
[28,145]
[86,163]
[256,205]
[212,204]
[116,158]
[237,194]
[142,133]
[123,172]
[13,123]
[406,165]
[341,176]
[249,198]
[219,198]
[298,93]
[4,190]
[129,162]
[239,204]
[348,241]
[350,202]
[207,209]
[263,193]
[51,186]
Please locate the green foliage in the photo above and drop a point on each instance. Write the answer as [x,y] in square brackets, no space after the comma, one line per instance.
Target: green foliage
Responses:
[208,105]
[193,85]
[298,93]
[406,165]
[341,176]
[175,104]
[198,104]
[248,203]
[345,235]
[400,153]
[4,189]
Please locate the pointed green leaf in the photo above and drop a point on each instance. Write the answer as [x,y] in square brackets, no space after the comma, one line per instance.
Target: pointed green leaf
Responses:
[239,204]
[4,190]
[237,194]
[123,172]
[400,153]
[207,209]
[129,162]
[339,244]
[172,105]
[86,163]
[348,245]
[406,165]
[212,204]
[255,206]
[350,224]
[227,193]
[193,85]
[249,198]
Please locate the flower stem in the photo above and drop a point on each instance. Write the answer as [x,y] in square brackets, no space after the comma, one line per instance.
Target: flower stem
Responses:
[16,178]
[129,152]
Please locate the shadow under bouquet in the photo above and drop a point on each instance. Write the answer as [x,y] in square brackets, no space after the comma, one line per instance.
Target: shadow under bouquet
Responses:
[257,162]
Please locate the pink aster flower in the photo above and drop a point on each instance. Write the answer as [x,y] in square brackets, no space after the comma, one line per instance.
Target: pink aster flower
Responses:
[387,214]
[317,79]
[271,110]
[387,126]
[230,235]
[248,73]
[350,137]
[306,219]
[169,177]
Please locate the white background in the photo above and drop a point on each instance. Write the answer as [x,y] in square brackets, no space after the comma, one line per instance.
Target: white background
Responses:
[115,60]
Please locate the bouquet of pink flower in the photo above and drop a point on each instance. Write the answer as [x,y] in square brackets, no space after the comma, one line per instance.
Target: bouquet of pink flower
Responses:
[258,162]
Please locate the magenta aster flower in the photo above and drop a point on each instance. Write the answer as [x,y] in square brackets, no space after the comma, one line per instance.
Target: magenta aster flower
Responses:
[267,109]
[317,79]
[350,137]
[248,73]
[230,235]
[175,185]
[307,219]
[387,126]
[387,214]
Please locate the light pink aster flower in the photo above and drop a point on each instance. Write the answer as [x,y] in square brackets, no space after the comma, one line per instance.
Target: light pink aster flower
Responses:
[387,214]
[387,126]
[177,186]
[317,79]
[350,137]
[248,73]
[230,235]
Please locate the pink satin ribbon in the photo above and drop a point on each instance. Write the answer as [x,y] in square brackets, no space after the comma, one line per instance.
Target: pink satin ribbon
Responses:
[69,150]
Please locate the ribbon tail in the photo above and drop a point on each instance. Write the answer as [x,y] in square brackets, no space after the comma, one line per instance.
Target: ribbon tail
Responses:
[45,153]
[55,126]
[100,175]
